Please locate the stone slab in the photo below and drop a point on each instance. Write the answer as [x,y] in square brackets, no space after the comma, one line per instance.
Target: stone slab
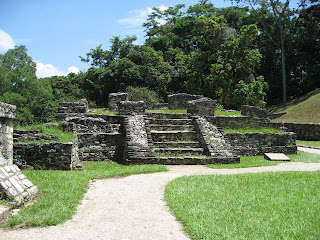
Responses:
[4,212]
[276,157]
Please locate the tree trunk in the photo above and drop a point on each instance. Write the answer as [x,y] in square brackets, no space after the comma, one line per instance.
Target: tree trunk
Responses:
[284,75]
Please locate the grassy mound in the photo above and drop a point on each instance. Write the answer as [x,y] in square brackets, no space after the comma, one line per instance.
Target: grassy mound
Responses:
[301,110]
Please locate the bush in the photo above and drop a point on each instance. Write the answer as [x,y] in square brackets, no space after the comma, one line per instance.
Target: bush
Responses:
[143,94]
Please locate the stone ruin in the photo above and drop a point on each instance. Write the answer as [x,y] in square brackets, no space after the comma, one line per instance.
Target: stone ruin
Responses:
[179,101]
[202,106]
[72,109]
[254,111]
[115,99]
[14,185]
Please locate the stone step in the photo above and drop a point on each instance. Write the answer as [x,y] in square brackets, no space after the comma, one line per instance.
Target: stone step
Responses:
[168,115]
[178,151]
[170,127]
[187,160]
[160,136]
[159,121]
[184,144]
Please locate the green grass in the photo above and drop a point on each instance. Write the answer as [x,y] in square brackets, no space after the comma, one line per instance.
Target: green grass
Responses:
[258,161]
[309,143]
[61,191]
[102,111]
[282,205]
[301,110]
[256,130]
[62,136]
[223,113]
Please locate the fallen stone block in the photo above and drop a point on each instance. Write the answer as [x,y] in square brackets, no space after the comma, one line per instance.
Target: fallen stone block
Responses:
[276,157]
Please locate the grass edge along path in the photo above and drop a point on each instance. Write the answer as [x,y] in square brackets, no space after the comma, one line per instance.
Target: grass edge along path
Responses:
[259,161]
[282,205]
[60,192]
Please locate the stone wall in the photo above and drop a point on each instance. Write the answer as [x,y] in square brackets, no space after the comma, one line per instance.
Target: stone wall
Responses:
[253,111]
[115,99]
[101,146]
[304,131]
[179,101]
[49,156]
[72,109]
[202,106]
[7,114]
[138,140]
[160,106]
[132,108]
[252,144]
[236,122]
[31,135]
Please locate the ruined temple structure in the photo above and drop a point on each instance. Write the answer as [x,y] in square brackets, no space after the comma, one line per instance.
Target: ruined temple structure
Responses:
[135,136]
[13,183]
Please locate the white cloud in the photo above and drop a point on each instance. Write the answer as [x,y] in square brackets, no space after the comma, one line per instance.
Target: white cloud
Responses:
[138,17]
[73,69]
[48,70]
[6,41]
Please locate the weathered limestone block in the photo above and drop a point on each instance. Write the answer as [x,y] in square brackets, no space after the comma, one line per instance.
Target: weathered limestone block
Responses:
[238,121]
[15,185]
[202,106]
[31,135]
[72,109]
[115,99]
[51,156]
[179,101]
[253,111]
[131,107]
[160,106]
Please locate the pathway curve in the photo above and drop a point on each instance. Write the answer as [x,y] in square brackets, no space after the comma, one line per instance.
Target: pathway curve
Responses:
[132,207]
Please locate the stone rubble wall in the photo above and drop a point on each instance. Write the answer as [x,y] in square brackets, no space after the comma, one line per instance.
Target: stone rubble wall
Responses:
[72,109]
[115,99]
[253,111]
[138,140]
[87,125]
[237,121]
[179,101]
[101,146]
[212,139]
[49,156]
[304,131]
[202,106]
[15,185]
[160,106]
[31,135]
[252,144]
[132,108]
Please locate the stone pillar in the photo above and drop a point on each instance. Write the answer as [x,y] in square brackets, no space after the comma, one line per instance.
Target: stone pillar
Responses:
[132,108]
[115,99]
[13,184]
[202,106]
[7,114]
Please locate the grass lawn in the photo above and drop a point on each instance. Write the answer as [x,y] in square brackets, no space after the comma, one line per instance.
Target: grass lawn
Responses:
[309,143]
[254,130]
[61,191]
[62,136]
[102,111]
[283,205]
[258,161]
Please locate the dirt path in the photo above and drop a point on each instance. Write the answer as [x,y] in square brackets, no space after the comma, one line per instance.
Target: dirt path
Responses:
[132,207]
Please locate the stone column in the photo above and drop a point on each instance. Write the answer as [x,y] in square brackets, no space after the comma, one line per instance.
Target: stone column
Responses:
[7,114]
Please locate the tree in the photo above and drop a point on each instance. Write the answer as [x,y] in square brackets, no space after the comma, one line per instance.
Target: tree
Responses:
[282,15]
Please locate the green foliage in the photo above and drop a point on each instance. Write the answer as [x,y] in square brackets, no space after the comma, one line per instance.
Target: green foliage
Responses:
[60,192]
[280,205]
[143,94]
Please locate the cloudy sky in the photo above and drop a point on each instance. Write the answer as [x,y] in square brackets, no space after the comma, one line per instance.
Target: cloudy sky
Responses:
[56,32]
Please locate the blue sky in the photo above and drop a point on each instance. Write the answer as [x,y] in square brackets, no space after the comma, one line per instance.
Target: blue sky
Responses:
[57,32]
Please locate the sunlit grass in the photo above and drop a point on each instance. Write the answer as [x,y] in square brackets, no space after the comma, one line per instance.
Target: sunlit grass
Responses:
[282,205]
[309,143]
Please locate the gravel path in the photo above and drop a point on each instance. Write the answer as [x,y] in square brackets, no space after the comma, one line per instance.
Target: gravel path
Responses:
[132,207]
